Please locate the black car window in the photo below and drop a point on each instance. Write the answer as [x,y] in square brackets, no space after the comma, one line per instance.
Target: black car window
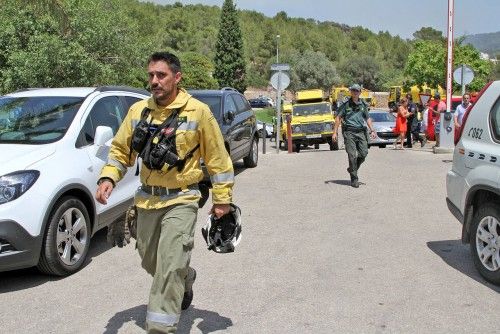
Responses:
[36,119]
[129,101]
[495,120]
[106,112]
[241,103]
[213,102]
[382,117]
[229,104]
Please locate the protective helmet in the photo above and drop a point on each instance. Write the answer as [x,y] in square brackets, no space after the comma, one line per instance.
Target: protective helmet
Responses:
[223,234]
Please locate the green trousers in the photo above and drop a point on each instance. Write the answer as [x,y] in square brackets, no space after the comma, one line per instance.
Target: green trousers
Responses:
[356,146]
[165,239]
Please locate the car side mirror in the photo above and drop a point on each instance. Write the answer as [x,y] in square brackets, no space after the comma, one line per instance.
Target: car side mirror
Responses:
[229,116]
[102,135]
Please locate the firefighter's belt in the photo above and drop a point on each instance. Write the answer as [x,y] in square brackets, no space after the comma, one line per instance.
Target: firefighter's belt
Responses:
[162,191]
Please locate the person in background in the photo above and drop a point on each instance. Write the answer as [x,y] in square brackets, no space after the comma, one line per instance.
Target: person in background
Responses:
[413,133]
[439,107]
[425,123]
[353,115]
[459,113]
[401,122]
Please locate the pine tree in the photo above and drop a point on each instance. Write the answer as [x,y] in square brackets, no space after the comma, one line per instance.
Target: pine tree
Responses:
[229,61]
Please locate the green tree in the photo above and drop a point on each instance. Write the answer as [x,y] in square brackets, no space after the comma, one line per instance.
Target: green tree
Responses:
[495,73]
[229,60]
[197,71]
[97,46]
[427,64]
[428,34]
[363,70]
[312,70]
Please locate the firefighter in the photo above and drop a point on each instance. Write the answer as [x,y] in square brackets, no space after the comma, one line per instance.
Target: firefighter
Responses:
[170,131]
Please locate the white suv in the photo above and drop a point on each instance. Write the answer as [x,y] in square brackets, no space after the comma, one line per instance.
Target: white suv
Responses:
[473,183]
[53,144]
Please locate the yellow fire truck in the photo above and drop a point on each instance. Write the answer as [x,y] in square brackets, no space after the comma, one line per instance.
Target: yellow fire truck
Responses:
[397,92]
[340,94]
[311,121]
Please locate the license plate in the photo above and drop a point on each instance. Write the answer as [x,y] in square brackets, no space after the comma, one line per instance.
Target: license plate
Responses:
[314,136]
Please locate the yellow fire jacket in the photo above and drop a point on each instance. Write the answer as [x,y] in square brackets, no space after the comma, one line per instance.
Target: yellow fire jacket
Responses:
[197,125]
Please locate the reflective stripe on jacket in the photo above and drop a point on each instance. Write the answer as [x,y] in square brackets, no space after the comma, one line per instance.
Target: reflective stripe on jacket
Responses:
[196,125]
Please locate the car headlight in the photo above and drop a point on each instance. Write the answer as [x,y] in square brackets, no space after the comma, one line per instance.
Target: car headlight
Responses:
[328,126]
[296,129]
[15,184]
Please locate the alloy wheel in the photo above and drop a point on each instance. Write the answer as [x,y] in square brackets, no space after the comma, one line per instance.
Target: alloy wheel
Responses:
[72,236]
[488,242]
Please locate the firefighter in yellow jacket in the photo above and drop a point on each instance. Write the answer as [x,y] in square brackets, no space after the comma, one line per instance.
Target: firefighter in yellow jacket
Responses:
[170,131]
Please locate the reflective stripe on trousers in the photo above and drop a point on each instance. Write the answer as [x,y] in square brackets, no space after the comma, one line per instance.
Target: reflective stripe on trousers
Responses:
[222,177]
[162,318]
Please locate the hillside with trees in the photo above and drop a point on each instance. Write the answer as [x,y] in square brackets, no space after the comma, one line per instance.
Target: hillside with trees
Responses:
[90,42]
[488,43]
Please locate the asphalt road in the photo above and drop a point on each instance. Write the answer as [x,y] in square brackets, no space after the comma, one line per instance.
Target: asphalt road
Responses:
[317,256]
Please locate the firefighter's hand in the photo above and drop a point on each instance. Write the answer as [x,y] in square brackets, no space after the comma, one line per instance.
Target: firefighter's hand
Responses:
[220,210]
[373,134]
[334,136]
[103,192]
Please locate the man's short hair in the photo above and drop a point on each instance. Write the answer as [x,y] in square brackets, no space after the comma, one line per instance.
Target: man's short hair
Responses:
[172,61]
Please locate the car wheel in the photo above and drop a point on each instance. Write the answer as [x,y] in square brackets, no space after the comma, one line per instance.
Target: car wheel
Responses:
[285,144]
[67,239]
[382,146]
[334,146]
[485,241]
[316,146]
[253,156]
[261,133]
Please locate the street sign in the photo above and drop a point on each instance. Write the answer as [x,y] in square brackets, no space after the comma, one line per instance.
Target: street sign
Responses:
[280,67]
[424,98]
[463,72]
[282,78]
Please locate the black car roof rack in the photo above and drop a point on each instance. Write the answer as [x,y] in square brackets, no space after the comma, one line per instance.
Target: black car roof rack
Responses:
[228,88]
[122,88]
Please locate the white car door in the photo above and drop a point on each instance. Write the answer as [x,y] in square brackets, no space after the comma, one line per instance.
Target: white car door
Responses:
[106,110]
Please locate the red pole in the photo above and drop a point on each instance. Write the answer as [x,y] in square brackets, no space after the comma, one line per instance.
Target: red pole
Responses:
[289,133]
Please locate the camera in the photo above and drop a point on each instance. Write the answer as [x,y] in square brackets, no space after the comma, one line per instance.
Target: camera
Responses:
[140,136]
[161,154]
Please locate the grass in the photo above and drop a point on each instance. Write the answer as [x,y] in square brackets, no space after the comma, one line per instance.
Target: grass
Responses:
[265,115]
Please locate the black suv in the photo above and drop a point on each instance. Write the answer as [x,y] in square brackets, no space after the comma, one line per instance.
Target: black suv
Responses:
[236,120]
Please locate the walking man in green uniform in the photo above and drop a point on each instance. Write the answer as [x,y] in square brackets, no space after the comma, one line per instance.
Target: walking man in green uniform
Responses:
[353,115]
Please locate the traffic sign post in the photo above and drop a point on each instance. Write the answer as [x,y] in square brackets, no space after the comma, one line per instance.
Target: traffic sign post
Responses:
[424,98]
[463,75]
[280,81]
[446,124]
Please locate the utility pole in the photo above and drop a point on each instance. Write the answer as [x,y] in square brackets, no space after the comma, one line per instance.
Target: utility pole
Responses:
[446,126]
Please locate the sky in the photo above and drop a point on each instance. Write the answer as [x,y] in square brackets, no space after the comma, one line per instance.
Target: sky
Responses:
[398,17]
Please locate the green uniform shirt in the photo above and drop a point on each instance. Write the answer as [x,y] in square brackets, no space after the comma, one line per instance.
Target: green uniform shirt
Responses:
[354,115]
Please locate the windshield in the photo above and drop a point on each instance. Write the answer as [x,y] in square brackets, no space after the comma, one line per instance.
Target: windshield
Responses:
[311,109]
[213,102]
[382,117]
[36,120]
